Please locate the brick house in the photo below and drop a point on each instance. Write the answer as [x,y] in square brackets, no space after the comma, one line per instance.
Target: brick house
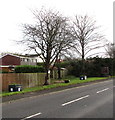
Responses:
[9,61]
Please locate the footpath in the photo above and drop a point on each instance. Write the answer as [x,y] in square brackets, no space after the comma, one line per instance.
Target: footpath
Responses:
[42,92]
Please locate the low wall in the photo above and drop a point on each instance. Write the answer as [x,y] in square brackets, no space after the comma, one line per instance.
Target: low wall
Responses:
[25,79]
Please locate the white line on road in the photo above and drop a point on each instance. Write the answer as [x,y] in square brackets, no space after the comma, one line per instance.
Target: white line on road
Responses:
[31,116]
[102,90]
[75,100]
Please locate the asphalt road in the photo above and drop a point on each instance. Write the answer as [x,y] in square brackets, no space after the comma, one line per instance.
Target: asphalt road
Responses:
[89,101]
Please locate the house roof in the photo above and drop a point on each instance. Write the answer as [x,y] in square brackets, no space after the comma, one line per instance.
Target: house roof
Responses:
[19,56]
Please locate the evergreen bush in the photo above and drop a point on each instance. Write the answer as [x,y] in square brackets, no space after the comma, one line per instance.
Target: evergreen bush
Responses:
[93,66]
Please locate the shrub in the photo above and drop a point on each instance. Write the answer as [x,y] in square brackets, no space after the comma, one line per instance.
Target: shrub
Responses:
[29,69]
[93,66]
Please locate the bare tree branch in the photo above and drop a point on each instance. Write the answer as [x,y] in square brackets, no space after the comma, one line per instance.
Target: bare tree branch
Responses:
[48,37]
[110,50]
[86,39]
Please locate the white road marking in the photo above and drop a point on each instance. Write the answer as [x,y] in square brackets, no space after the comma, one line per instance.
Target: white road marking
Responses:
[102,90]
[31,116]
[75,100]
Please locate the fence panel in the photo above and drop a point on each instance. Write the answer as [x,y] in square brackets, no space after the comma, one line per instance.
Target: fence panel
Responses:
[25,79]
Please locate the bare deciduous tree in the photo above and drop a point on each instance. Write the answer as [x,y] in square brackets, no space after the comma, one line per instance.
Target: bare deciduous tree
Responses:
[110,50]
[48,37]
[85,36]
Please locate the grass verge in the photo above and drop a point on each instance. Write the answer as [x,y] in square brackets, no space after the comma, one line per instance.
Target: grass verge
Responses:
[73,80]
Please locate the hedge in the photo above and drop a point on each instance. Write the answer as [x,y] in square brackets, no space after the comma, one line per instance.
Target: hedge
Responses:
[29,69]
[93,66]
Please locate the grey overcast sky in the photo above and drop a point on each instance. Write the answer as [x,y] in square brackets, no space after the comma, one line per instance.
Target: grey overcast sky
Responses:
[13,13]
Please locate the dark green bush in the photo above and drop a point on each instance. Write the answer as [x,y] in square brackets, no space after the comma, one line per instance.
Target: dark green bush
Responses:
[93,66]
[29,69]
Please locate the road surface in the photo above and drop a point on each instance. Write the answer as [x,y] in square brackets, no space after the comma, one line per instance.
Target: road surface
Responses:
[89,101]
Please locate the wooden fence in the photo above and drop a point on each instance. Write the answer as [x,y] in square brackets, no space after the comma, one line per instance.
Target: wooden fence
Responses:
[25,79]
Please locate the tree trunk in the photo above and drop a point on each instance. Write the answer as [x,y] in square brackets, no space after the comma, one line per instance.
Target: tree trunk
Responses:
[59,73]
[46,78]
[83,67]
[83,60]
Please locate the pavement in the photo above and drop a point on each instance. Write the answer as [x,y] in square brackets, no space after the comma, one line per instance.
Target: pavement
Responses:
[36,93]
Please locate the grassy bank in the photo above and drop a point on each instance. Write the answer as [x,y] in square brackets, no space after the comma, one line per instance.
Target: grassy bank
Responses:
[73,80]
